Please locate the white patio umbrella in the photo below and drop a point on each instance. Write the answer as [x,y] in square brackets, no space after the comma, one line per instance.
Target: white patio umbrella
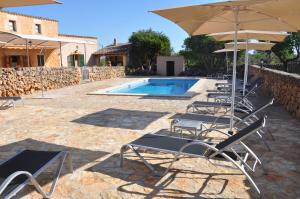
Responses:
[249,46]
[250,34]
[17,3]
[226,51]
[265,15]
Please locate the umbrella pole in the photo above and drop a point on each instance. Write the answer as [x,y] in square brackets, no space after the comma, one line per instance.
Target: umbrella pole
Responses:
[246,68]
[227,62]
[236,13]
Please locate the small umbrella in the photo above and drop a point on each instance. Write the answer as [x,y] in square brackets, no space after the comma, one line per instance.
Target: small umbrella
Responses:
[250,34]
[264,15]
[16,3]
[249,46]
[225,51]
[246,35]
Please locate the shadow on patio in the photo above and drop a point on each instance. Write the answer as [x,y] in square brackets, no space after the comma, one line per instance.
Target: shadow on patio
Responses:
[118,118]
[135,173]
[80,158]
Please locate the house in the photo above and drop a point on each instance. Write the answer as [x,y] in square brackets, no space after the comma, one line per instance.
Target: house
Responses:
[170,65]
[116,54]
[30,41]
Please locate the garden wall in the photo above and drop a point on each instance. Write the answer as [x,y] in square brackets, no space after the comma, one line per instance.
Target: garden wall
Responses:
[285,87]
[24,81]
[27,80]
[101,73]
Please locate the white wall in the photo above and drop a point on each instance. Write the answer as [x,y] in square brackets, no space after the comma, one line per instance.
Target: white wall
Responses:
[70,48]
[162,64]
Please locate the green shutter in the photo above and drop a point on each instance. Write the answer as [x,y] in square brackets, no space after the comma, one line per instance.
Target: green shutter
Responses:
[71,61]
[81,60]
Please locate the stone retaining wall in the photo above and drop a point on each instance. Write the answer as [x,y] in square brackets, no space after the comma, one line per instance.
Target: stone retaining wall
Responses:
[25,81]
[285,87]
[101,73]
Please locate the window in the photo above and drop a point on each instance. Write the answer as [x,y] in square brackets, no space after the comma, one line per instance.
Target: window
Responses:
[12,26]
[41,60]
[38,29]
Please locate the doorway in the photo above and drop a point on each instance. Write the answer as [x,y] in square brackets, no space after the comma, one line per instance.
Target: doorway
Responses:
[170,68]
[76,60]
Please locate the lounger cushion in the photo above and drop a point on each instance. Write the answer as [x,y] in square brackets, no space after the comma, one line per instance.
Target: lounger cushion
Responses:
[210,104]
[30,161]
[206,118]
[171,145]
[240,134]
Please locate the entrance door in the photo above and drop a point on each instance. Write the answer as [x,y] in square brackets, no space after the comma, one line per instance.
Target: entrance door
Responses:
[170,68]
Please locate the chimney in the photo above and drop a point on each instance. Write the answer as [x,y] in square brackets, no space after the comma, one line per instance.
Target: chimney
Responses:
[115,41]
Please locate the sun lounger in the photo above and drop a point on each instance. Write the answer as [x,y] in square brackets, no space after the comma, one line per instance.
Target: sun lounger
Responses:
[10,101]
[250,78]
[224,119]
[226,97]
[242,102]
[25,167]
[195,148]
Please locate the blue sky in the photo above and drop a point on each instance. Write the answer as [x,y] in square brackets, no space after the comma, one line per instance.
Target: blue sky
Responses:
[112,19]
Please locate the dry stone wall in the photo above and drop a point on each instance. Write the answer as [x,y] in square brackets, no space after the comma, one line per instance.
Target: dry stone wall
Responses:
[28,80]
[24,81]
[285,87]
[101,73]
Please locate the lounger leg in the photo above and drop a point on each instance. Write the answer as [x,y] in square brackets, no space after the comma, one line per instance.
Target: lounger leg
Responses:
[245,173]
[270,133]
[143,159]
[56,176]
[264,141]
[69,163]
[122,151]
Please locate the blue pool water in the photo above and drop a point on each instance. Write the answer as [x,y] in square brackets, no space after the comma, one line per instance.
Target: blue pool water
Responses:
[157,87]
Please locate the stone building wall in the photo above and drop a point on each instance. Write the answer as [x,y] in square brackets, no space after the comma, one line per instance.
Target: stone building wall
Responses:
[26,81]
[101,73]
[25,24]
[285,87]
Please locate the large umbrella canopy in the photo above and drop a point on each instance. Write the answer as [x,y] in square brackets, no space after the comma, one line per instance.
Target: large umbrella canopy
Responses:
[16,3]
[250,34]
[265,15]
[250,45]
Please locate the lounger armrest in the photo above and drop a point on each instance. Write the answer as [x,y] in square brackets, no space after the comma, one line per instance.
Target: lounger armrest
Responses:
[197,143]
[242,110]
[215,130]
[10,178]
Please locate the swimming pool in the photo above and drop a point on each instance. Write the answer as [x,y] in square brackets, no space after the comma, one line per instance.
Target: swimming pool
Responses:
[154,87]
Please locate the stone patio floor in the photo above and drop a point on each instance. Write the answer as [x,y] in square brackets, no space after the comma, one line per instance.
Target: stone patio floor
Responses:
[94,128]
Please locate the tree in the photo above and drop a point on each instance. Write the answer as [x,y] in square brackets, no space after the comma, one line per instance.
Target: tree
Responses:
[198,52]
[288,50]
[146,46]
